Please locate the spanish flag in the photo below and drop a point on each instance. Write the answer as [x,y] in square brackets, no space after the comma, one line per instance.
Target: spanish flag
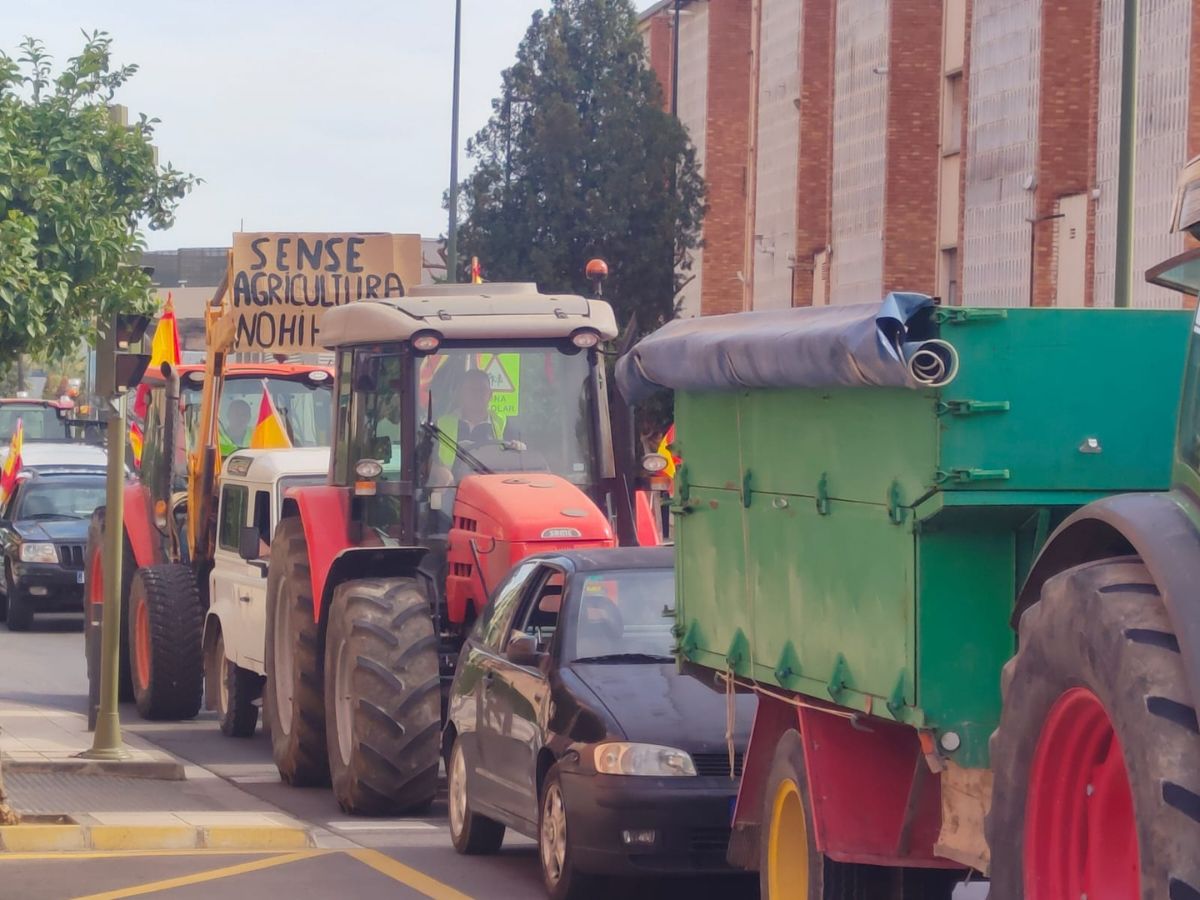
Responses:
[12,463]
[476,273]
[136,439]
[164,348]
[664,450]
[269,433]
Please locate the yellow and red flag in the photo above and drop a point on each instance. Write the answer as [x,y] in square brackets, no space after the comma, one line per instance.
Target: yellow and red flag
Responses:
[136,440]
[664,450]
[476,272]
[164,348]
[12,463]
[270,432]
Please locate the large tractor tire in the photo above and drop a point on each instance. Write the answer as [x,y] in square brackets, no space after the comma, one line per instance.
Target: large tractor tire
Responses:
[382,696]
[1097,756]
[791,867]
[294,699]
[166,624]
[93,592]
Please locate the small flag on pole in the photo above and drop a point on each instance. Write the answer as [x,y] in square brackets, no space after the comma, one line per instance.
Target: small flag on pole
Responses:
[270,432]
[12,463]
[164,347]
[476,274]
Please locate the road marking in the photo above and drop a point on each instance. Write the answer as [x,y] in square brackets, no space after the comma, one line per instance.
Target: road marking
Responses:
[406,875]
[119,854]
[358,825]
[201,877]
[272,778]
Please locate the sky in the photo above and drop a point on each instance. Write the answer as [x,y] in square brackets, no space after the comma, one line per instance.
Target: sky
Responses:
[299,116]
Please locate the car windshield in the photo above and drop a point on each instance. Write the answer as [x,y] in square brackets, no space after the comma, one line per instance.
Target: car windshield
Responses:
[622,616]
[53,497]
[41,423]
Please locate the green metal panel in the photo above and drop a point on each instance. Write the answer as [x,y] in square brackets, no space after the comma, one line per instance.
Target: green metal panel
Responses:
[861,544]
[1067,376]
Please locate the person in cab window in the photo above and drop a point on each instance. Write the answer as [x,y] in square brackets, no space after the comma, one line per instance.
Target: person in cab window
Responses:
[469,423]
[237,424]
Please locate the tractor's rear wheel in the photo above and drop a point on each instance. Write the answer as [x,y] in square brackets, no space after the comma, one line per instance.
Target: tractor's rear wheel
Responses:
[792,868]
[166,626]
[293,699]
[382,697]
[1097,757]
[93,596]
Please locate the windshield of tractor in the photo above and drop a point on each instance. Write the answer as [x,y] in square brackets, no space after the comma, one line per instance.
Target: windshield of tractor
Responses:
[521,409]
[40,422]
[304,408]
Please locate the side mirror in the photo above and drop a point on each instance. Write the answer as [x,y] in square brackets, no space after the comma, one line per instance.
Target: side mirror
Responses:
[522,651]
[248,543]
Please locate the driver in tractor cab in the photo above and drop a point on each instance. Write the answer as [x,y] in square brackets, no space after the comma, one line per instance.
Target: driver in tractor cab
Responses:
[470,423]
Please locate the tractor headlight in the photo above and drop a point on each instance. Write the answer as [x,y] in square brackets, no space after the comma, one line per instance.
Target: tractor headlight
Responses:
[38,553]
[624,758]
[367,469]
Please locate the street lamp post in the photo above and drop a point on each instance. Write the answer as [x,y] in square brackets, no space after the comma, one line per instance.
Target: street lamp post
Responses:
[452,232]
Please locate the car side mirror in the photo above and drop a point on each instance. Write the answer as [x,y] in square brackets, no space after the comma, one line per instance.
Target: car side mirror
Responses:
[248,543]
[522,651]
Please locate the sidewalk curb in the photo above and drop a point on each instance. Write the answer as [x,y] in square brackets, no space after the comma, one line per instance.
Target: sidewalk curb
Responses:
[163,768]
[65,838]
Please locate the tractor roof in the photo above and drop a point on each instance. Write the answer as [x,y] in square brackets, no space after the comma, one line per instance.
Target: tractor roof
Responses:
[267,465]
[467,312]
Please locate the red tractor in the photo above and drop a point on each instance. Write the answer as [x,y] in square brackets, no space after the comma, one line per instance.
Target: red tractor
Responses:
[471,429]
[166,560]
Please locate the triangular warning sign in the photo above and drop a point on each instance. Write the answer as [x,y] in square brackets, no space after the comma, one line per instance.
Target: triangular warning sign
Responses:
[501,383]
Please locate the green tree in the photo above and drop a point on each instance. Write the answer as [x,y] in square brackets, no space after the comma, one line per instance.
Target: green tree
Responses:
[76,189]
[579,159]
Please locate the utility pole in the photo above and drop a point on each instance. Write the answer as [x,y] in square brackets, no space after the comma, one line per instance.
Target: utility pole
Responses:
[452,233]
[1123,284]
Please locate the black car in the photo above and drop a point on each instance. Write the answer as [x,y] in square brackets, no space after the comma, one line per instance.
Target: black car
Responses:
[568,722]
[43,530]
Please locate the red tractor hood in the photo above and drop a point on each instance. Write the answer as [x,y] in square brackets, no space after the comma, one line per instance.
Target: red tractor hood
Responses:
[531,507]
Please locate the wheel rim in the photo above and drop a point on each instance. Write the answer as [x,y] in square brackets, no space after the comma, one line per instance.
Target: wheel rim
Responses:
[1080,831]
[343,704]
[787,845]
[458,791]
[220,670]
[283,665]
[141,643]
[553,835]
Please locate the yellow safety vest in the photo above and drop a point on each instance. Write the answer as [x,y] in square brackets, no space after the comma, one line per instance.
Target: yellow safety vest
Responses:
[448,425]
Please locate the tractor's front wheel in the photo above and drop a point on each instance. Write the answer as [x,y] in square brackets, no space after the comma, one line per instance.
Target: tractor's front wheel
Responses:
[293,700]
[1097,756]
[166,626]
[382,695]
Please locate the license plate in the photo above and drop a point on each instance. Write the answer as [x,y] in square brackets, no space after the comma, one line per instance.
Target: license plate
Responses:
[79,578]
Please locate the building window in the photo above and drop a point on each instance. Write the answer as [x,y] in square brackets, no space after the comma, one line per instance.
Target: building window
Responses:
[948,277]
[952,113]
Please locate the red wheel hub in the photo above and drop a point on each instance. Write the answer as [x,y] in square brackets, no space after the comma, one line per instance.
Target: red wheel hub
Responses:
[96,583]
[1080,832]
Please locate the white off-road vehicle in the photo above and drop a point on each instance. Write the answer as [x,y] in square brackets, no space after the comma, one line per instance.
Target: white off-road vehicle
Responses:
[252,489]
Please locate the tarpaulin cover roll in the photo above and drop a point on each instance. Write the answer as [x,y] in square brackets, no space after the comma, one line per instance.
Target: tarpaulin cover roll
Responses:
[810,347]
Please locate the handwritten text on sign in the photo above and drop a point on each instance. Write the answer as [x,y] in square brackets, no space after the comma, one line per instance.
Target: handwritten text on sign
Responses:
[283,282]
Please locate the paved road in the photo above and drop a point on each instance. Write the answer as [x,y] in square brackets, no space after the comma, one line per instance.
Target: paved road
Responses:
[394,858]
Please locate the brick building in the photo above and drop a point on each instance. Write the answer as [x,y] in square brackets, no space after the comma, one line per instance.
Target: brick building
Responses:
[964,148]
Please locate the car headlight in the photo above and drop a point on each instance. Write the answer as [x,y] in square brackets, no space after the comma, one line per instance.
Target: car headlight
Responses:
[623,758]
[38,553]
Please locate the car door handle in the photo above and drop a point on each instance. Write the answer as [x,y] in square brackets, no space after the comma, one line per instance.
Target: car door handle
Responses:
[245,598]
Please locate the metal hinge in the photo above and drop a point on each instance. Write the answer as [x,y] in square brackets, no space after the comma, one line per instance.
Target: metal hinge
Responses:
[965,475]
[896,509]
[960,315]
[968,407]
[823,495]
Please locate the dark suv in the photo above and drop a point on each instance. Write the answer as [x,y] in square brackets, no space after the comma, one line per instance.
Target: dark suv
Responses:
[43,530]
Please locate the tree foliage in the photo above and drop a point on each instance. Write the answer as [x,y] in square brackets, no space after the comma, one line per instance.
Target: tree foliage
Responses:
[76,188]
[579,159]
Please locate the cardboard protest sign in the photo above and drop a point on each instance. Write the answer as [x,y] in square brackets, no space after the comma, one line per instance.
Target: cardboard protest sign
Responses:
[282,282]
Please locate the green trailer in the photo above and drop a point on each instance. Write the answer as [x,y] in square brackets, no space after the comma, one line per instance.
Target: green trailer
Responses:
[859,547]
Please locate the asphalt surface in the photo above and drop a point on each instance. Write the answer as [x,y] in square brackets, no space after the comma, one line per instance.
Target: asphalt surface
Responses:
[392,858]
